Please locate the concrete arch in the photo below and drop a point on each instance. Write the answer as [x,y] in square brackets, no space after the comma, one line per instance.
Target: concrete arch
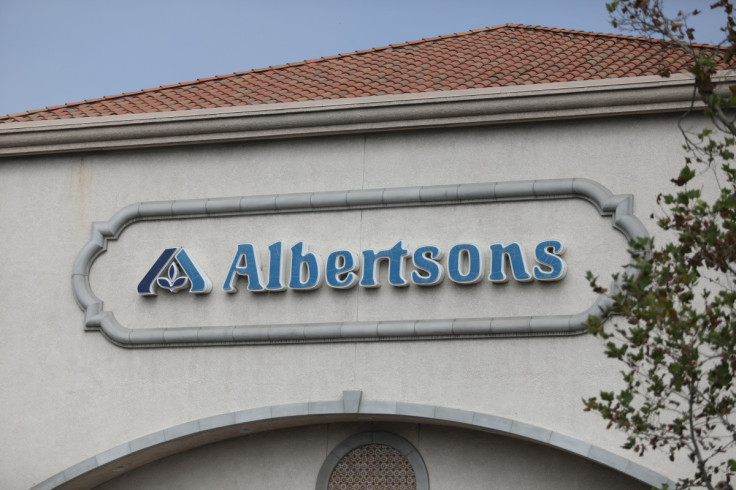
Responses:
[143,450]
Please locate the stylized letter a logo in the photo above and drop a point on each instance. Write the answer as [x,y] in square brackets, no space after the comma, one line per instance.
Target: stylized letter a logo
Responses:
[174,270]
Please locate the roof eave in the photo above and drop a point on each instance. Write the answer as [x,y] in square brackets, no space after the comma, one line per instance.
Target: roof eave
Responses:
[503,105]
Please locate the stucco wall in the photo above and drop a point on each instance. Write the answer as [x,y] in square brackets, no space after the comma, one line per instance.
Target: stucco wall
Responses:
[70,394]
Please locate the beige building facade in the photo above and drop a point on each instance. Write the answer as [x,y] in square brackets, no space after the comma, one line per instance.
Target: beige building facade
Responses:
[117,375]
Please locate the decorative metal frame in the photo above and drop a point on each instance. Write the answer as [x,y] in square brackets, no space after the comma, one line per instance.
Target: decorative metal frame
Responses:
[618,207]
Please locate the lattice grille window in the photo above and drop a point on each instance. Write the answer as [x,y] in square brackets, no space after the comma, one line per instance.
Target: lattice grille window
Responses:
[373,467]
[373,460]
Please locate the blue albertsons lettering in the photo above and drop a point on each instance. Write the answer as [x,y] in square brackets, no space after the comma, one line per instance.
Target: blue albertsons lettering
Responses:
[340,270]
[396,265]
[306,268]
[429,270]
[176,269]
[468,255]
[465,265]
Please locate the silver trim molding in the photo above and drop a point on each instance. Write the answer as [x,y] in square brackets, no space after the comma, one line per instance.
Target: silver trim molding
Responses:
[455,108]
[618,207]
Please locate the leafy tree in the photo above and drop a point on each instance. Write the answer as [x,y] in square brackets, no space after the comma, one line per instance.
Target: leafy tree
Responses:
[677,335]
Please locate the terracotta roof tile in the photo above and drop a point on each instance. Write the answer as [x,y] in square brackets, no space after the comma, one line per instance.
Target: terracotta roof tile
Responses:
[508,54]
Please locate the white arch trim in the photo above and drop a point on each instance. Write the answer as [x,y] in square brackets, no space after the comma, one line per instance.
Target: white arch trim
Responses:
[143,450]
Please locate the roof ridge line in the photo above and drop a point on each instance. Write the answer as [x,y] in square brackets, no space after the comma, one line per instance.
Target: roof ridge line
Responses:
[339,55]
[605,34]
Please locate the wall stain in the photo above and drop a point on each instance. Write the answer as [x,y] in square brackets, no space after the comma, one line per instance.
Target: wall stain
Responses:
[80,185]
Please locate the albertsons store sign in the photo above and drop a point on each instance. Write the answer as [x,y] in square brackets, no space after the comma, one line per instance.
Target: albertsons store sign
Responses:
[175,269]
[462,261]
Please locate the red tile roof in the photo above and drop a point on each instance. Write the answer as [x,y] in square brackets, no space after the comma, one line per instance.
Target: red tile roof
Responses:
[508,54]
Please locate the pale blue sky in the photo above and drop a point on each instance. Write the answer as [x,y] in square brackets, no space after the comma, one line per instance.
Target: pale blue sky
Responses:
[57,51]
